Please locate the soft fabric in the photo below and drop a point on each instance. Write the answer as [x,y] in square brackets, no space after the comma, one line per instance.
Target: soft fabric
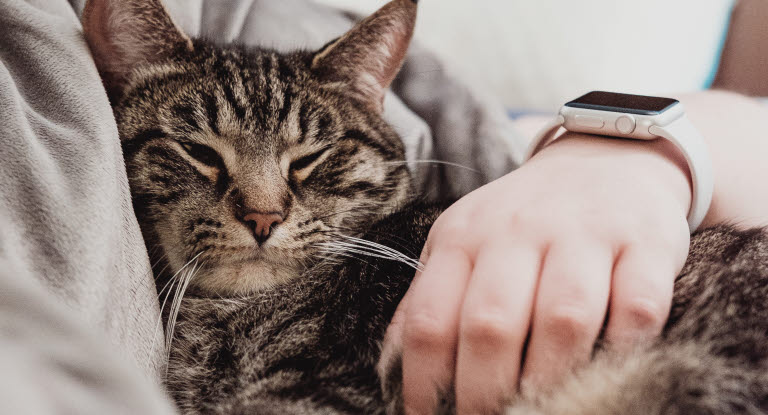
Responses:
[85,319]
[537,54]
[78,309]
[68,221]
[51,363]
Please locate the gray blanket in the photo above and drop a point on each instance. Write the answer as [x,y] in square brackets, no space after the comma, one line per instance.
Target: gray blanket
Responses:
[78,310]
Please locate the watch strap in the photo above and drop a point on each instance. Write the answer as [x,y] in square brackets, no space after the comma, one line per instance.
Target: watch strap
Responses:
[687,139]
[543,137]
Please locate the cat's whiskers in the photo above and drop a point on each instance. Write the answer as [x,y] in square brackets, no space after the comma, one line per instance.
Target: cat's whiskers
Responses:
[398,240]
[349,245]
[374,205]
[156,258]
[171,281]
[159,274]
[336,258]
[153,251]
[446,163]
[181,288]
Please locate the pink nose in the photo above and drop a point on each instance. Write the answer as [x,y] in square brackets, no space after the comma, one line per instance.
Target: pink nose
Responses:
[262,224]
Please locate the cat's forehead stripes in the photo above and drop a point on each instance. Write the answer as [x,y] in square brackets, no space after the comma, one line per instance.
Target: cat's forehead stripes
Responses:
[241,96]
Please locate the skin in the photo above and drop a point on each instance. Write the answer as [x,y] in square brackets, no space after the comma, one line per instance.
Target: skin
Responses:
[591,228]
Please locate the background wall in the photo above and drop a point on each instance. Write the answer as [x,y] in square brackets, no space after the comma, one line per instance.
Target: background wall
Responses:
[538,53]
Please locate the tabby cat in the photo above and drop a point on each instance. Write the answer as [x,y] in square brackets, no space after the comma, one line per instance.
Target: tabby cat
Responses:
[271,191]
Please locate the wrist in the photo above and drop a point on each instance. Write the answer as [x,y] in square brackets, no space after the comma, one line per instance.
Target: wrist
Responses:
[657,162]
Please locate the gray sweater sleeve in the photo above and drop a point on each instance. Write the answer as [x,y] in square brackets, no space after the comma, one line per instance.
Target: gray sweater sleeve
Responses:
[67,229]
[51,363]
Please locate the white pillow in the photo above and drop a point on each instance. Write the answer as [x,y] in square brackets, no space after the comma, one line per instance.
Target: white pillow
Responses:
[536,54]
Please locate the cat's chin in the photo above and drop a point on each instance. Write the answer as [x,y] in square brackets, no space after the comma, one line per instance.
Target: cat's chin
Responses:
[242,278]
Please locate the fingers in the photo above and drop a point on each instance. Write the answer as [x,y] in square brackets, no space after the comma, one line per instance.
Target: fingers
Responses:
[430,328]
[393,338]
[641,296]
[569,311]
[494,324]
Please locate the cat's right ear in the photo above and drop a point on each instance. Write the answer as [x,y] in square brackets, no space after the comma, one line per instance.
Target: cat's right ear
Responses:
[123,34]
[365,60]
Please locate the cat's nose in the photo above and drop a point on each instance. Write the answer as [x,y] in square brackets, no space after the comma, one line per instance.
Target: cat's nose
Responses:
[262,224]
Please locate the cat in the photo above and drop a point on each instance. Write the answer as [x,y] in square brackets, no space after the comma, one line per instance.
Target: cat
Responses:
[271,191]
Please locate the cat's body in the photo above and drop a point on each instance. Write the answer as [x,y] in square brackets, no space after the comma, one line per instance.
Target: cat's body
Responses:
[312,347]
[254,174]
[308,347]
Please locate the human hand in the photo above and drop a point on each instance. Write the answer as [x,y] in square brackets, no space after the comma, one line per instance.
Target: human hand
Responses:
[589,227]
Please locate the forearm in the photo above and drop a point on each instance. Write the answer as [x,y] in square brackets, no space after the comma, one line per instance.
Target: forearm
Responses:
[733,127]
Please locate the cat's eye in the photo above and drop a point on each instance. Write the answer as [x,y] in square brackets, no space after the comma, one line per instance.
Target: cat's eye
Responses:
[203,154]
[306,161]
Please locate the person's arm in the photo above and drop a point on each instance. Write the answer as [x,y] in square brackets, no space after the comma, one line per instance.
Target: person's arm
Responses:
[735,129]
[589,227]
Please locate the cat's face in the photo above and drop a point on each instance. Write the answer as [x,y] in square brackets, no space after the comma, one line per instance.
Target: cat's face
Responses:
[246,161]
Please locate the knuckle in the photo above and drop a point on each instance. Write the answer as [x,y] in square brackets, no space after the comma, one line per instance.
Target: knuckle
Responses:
[424,331]
[662,233]
[610,225]
[488,330]
[644,314]
[519,220]
[449,231]
[533,220]
[570,324]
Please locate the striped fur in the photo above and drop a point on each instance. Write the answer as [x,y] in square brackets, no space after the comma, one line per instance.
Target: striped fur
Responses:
[312,347]
[294,325]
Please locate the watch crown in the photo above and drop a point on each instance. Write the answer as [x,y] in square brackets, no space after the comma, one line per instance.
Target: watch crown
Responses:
[626,124]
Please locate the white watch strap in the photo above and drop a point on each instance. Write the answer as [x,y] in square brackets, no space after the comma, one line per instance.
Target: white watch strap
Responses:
[687,139]
[543,136]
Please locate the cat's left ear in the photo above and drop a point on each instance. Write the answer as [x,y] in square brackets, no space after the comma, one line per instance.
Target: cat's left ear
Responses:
[124,34]
[366,59]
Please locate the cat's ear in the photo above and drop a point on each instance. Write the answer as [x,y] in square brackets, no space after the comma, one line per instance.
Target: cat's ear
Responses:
[125,33]
[366,59]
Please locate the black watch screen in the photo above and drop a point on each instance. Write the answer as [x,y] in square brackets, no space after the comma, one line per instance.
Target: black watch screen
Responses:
[614,102]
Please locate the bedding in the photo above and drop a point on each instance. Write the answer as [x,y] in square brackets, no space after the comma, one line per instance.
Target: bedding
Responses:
[78,304]
[536,54]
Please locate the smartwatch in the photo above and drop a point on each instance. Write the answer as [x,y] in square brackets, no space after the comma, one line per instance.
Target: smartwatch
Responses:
[639,117]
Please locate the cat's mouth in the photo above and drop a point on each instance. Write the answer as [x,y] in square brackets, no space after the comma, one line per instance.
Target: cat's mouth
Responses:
[244,254]
[246,268]
[246,274]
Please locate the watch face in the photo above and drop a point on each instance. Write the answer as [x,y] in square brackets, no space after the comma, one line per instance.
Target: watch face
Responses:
[632,104]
